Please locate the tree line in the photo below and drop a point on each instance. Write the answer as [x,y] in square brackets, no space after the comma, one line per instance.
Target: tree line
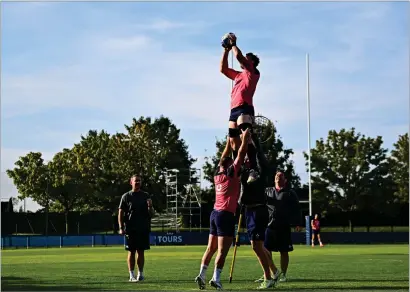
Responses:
[350,172]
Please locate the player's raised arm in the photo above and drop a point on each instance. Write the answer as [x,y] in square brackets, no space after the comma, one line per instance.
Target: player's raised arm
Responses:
[241,58]
[226,151]
[224,68]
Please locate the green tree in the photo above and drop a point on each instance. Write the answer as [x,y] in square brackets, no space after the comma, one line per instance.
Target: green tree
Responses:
[32,179]
[399,168]
[348,172]
[95,153]
[150,147]
[147,147]
[278,156]
[69,189]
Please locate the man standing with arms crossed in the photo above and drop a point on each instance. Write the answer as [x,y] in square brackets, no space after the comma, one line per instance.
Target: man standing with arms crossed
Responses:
[245,83]
[253,198]
[134,220]
[222,219]
[284,211]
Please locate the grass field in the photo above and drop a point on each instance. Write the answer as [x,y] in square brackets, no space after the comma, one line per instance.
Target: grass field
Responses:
[331,268]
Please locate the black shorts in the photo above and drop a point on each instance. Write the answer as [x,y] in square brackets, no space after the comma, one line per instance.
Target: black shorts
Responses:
[257,219]
[137,241]
[316,232]
[222,223]
[279,239]
[242,109]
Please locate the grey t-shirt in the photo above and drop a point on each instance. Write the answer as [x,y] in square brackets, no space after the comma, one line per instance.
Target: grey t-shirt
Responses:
[136,215]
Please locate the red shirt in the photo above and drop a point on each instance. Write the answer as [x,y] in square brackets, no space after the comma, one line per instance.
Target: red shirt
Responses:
[316,224]
[227,189]
[244,88]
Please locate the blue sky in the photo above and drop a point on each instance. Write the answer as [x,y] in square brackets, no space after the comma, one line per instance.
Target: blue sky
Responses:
[71,67]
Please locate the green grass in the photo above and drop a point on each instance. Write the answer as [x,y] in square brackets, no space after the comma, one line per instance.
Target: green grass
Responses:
[344,267]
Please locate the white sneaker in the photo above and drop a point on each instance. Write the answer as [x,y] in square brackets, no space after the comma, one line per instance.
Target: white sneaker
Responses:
[200,282]
[133,279]
[267,284]
[253,176]
[140,278]
[215,284]
[283,278]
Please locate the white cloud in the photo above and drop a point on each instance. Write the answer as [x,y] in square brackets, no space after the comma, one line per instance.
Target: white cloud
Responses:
[131,71]
[161,25]
[125,45]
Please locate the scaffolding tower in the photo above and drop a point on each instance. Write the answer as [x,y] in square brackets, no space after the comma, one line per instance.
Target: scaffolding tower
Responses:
[183,200]
[171,183]
[192,201]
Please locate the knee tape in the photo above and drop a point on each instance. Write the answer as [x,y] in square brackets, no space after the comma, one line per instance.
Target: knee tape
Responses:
[233,133]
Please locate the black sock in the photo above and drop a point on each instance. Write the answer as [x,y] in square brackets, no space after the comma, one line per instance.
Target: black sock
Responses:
[252,156]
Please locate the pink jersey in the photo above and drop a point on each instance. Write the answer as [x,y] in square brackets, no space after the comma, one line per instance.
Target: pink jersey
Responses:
[227,190]
[316,224]
[244,88]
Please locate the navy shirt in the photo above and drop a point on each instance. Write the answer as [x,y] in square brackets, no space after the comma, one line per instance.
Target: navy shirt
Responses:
[284,208]
[136,215]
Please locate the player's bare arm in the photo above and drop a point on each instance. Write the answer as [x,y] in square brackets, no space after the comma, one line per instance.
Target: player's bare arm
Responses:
[226,151]
[121,220]
[224,68]
[241,58]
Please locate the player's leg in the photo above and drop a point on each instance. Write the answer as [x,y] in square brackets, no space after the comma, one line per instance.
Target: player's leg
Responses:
[318,238]
[256,222]
[131,248]
[225,222]
[313,238]
[142,244]
[270,245]
[245,121]
[234,138]
[285,247]
[209,252]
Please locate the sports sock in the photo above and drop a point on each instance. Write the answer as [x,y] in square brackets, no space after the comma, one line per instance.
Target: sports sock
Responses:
[132,274]
[217,274]
[140,273]
[202,272]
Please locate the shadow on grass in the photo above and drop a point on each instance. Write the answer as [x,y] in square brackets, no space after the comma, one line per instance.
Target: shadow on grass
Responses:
[343,280]
[30,284]
[356,289]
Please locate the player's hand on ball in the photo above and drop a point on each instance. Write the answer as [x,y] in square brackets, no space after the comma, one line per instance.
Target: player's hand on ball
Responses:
[228,40]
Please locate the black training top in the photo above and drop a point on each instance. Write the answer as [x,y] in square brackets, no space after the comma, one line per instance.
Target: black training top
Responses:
[284,208]
[136,214]
[254,193]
